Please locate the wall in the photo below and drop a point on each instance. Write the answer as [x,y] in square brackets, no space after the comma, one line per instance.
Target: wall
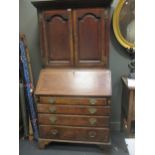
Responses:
[28,24]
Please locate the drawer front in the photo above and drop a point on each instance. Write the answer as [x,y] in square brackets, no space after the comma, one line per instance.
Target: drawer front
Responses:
[76,120]
[74,133]
[73,101]
[74,109]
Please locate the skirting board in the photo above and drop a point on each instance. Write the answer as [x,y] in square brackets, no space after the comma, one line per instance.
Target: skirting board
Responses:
[115,126]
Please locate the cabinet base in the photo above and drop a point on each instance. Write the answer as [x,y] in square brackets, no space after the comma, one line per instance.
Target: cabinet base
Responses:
[43,142]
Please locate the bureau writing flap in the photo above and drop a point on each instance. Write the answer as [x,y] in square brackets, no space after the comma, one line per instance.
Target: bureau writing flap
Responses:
[74,82]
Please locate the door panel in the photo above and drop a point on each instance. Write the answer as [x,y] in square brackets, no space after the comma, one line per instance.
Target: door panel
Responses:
[89,34]
[58,36]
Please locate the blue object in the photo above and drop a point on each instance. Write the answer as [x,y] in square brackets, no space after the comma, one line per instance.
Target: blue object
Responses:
[30,99]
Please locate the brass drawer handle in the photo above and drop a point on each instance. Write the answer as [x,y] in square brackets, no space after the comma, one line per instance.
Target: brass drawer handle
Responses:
[92,121]
[92,134]
[51,100]
[109,101]
[52,109]
[92,110]
[53,119]
[92,101]
[54,132]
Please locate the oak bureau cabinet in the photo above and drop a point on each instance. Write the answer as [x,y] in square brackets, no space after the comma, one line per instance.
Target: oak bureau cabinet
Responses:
[74,88]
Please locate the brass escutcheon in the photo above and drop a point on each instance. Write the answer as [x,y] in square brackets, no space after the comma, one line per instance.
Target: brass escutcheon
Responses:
[92,121]
[51,100]
[92,101]
[92,134]
[53,119]
[52,109]
[92,110]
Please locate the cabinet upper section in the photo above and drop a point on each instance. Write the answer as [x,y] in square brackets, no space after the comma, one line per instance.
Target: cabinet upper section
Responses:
[74,36]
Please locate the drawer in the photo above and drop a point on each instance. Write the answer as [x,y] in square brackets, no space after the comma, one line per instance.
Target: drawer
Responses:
[74,109]
[74,133]
[76,120]
[73,100]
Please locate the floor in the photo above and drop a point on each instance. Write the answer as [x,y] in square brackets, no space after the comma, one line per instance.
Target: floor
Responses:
[118,147]
[130,145]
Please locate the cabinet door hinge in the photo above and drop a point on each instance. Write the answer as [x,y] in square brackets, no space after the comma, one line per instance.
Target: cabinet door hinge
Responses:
[106,14]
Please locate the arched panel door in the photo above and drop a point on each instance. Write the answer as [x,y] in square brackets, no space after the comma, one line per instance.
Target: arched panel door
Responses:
[57,35]
[91,37]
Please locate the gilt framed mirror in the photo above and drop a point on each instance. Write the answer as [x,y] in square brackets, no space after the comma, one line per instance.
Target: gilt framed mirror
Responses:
[124,23]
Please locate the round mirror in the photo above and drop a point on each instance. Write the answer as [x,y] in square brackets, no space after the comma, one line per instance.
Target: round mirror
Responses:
[124,23]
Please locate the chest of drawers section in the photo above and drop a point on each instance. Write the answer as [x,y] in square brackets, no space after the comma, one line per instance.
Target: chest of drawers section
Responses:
[74,119]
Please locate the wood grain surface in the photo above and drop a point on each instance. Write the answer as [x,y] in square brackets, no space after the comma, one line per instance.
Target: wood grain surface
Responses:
[73,100]
[76,120]
[74,133]
[74,109]
[74,82]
